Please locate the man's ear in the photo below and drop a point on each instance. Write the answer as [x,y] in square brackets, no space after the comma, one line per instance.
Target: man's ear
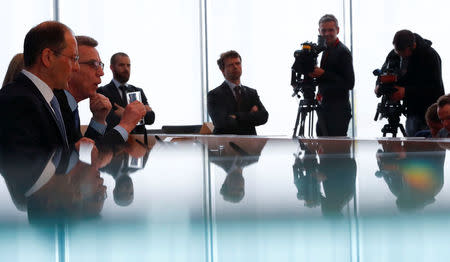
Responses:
[46,57]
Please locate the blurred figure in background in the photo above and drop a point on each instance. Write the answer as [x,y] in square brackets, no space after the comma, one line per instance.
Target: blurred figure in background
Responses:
[15,66]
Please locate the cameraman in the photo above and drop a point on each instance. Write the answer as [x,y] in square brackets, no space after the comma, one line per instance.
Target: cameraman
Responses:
[335,77]
[420,78]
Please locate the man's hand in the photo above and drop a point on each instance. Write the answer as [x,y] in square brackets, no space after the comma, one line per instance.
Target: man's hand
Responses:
[399,94]
[100,107]
[131,115]
[318,72]
[119,111]
[377,87]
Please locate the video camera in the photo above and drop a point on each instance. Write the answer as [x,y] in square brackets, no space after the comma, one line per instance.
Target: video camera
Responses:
[387,78]
[305,61]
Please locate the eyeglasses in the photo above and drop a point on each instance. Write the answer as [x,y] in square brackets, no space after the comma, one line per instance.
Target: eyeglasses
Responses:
[94,64]
[73,58]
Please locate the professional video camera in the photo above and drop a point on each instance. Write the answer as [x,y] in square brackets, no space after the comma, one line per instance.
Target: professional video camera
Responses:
[305,61]
[387,77]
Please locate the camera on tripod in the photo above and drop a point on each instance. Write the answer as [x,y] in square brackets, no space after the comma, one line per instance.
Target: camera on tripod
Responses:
[387,78]
[305,61]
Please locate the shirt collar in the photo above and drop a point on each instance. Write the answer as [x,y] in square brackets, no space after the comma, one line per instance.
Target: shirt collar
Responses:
[43,88]
[117,83]
[71,100]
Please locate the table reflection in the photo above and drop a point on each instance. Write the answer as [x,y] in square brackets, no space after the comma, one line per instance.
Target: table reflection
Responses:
[413,171]
[127,160]
[331,164]
[53,184]
[233,155]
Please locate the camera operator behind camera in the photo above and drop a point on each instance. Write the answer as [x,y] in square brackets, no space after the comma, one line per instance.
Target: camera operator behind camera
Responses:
[419,81]
[335,78]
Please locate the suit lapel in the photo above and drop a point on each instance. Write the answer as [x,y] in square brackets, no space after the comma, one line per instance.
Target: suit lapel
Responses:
[115,94]
[32,87]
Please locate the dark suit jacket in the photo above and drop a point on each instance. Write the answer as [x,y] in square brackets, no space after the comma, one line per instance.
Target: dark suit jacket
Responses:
[222,104]
[111,92]
[26,117]
[74,134]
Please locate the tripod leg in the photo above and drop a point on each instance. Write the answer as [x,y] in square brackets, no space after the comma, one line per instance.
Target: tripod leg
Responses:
[296,121]
[303,114]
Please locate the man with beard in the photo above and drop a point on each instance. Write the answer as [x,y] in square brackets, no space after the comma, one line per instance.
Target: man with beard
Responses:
[117,89]
[234,108]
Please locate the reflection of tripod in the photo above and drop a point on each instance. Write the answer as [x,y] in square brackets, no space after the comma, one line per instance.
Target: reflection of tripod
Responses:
[392,111]
[305,169]
[307,105]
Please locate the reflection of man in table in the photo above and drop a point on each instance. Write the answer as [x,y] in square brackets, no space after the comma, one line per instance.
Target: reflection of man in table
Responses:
[122,165]
[233,155]
[53,184]
[413,171]
[336,172]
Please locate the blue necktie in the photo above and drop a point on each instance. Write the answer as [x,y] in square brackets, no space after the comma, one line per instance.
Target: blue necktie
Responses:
[59,120]
[76,117]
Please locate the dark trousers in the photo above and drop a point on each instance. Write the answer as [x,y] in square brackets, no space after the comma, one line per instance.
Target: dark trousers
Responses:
[332,122]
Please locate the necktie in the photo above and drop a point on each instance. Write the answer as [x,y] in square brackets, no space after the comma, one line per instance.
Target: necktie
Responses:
[59,120]
[76,117]
[237,94]
[123,88]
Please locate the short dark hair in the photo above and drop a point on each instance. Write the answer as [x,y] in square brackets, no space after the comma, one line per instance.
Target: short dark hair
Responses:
[226,55]
[403,39]
[114,57]
[443,100]
[86,40]
[431,115]
[49,34]
[328,18]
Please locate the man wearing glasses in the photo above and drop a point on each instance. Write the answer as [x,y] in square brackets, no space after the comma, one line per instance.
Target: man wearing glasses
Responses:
[118,88]
[29,111]
[83,85]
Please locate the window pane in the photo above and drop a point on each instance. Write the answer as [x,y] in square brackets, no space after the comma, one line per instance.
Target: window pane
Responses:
[162,39]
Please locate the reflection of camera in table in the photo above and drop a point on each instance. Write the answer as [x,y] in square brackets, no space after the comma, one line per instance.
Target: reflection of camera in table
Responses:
[135,96]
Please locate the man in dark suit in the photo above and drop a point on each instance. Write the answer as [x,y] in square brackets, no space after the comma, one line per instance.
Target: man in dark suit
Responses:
[29,111]
[234,108]
[117,89]
[83,85]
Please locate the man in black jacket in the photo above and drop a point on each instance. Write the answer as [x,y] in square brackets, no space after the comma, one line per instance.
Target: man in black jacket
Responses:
[29,111]
[234,108]
[336,78]
[83,85]
[420,80]
[116,91]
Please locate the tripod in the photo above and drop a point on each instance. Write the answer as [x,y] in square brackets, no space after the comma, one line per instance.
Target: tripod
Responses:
[392,111]
[305,107]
